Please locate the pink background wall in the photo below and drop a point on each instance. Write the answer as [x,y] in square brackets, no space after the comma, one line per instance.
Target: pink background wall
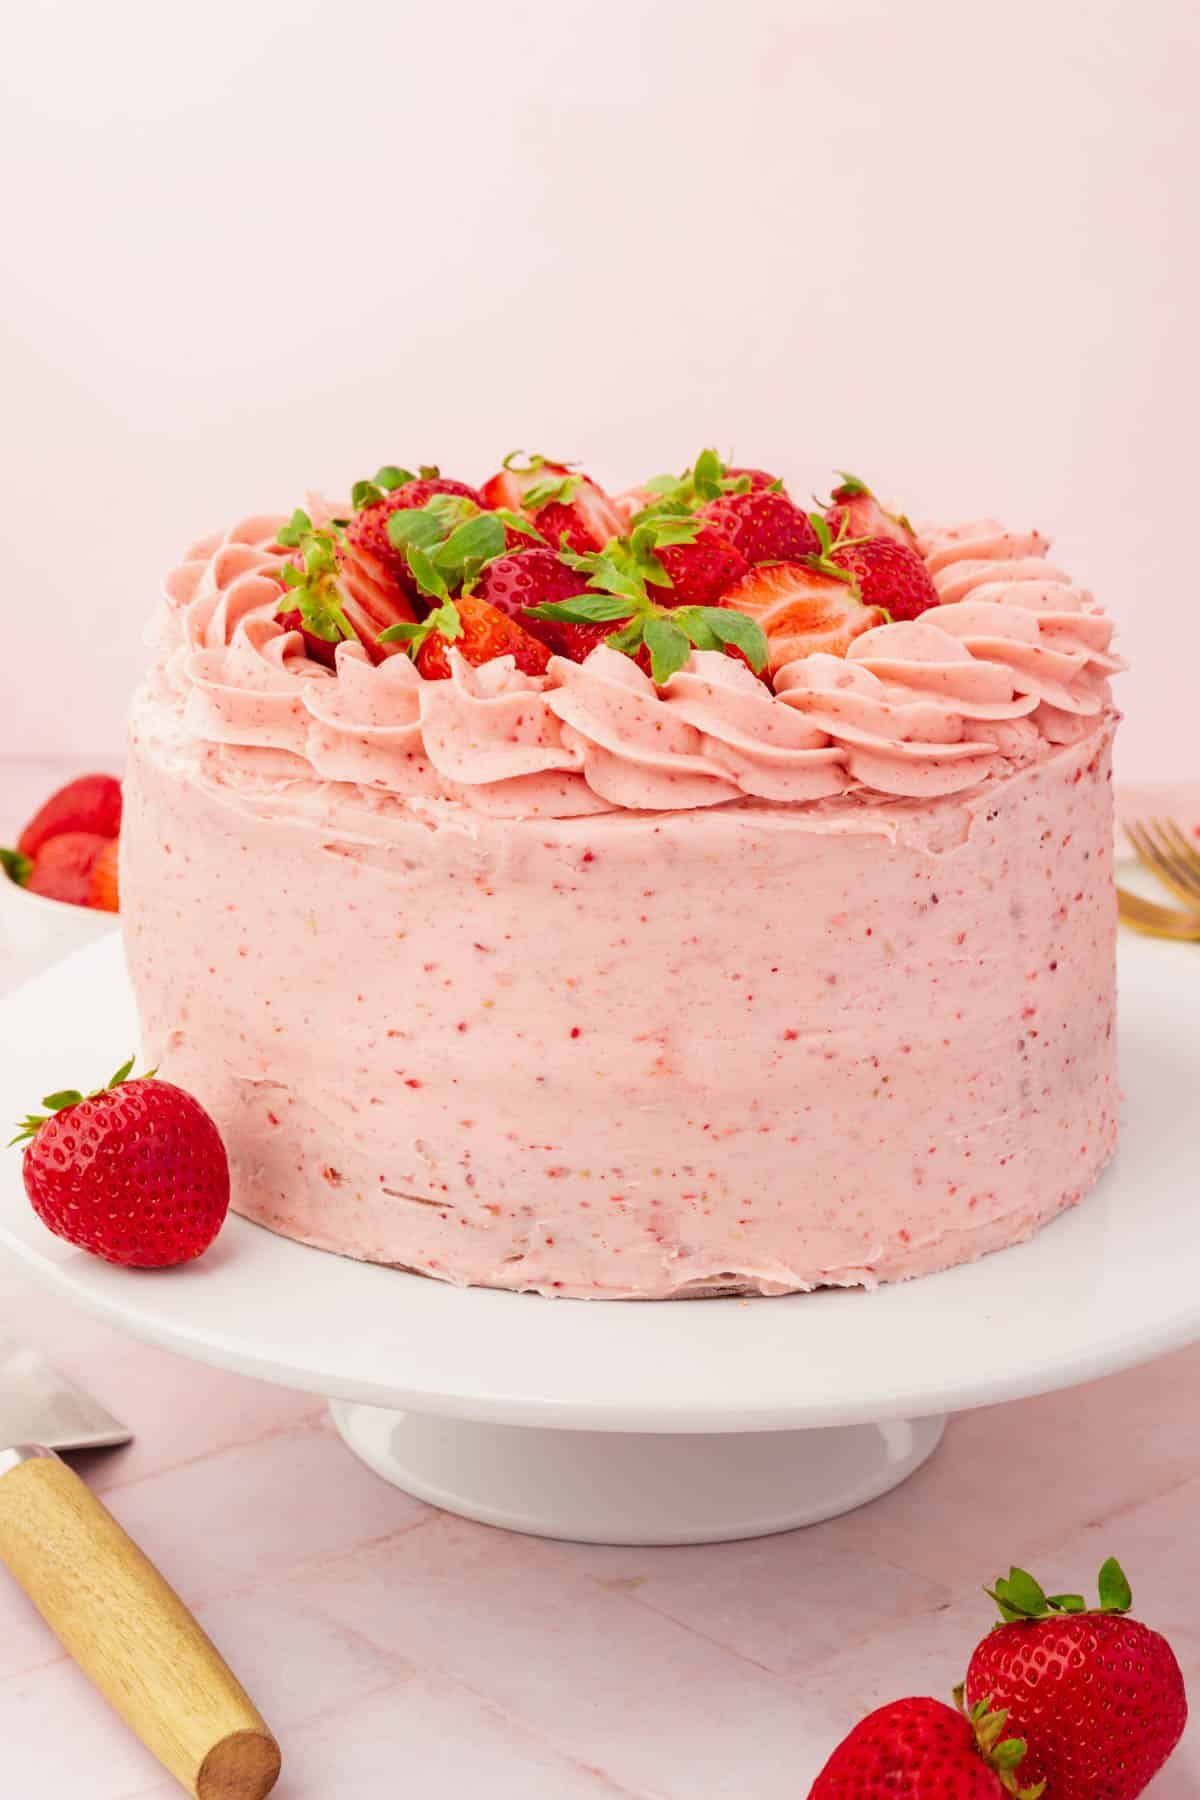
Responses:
[257,247]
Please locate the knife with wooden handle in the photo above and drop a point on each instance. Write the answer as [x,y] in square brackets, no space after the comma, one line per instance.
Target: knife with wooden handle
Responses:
[130,1632]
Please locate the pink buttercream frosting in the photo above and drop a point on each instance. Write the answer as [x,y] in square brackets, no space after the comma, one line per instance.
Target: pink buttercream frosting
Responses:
[1014,660]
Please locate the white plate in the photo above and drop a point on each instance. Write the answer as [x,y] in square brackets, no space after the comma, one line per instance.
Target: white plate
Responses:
[1113,1283]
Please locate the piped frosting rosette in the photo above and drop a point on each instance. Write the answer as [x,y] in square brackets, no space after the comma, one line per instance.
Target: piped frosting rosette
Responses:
[713,733]
[898,705]
[1006,604]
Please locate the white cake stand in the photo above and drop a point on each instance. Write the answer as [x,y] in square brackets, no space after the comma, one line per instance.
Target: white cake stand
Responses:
[629,1423]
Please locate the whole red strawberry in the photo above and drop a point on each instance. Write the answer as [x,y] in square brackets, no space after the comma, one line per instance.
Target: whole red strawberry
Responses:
[135,1173]
[1098,1695]
[889,574]
[924,1750]
[536,577]
[527,578]
[700,571]
[764,525]
[89,803]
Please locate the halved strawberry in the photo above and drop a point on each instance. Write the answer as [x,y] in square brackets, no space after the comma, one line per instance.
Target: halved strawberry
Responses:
[763,524]
[317,599]
[801,611]
[889,574]
[68,867]
[514,478]
[103,895]
[700,571]
[560,501]
[853,511]
[483,633]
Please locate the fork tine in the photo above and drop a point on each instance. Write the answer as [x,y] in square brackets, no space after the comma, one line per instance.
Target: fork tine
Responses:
[1160,865]
[1186,877]
[1187,853]
[1145,850]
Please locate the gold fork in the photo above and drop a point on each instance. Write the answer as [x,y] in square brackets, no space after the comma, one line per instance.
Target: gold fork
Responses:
[1162,848]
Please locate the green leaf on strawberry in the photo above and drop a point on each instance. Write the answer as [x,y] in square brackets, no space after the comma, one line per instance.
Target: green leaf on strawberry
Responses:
[669,646]
[707,479]
[297,528]
[65,1097]
[626,565]
[520,464]
[391,477]
[429,577]
[1003,1754]
[470,545]
[444,619]
[417,525]
[515,522]
[383,482]
[1116,1595]
[593,609]
[447,543]
[17,867]
[823,562]
[555,490]
[656,534]
[1019,1596]
[669,634]
[729,626]
[314,590]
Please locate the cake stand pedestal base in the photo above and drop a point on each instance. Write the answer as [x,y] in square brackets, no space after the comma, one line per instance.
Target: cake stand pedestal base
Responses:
[611,1487]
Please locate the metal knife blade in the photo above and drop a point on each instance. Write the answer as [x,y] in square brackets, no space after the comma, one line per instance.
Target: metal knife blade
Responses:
[40,1406]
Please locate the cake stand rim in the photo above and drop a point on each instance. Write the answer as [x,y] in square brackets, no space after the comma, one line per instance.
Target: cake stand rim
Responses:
[178,1310]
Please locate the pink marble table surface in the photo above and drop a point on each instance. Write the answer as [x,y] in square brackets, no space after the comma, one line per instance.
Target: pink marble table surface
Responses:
[399,1650]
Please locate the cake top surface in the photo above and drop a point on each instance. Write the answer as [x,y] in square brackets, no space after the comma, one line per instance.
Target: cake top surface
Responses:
[539,647]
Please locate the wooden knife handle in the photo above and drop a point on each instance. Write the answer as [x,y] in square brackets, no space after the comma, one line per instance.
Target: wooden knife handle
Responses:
[130,1632]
